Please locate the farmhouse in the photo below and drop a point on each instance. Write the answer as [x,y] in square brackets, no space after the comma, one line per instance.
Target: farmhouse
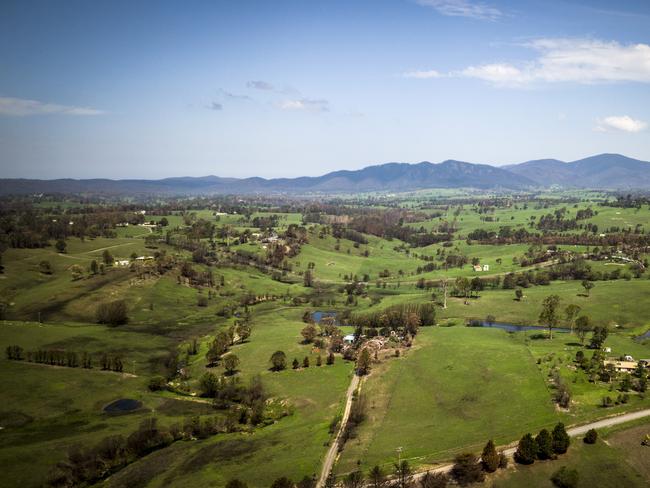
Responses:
[122,262]
[349,339]
[627,366]
[478,267]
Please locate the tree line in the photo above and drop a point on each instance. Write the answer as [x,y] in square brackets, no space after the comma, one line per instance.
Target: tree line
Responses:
[61,357]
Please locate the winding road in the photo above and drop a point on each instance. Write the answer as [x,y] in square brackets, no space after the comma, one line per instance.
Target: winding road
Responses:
[332,452]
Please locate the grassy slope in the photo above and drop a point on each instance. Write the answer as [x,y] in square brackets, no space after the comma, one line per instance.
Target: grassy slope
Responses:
[294,446]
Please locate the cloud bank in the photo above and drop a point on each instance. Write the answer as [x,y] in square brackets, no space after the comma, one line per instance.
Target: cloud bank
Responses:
[20,107]
[562,60]
[463,8]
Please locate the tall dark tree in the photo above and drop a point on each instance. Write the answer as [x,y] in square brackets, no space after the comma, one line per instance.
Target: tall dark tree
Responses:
[526,450]
[561,439]
[598,337]
[544,445]
[490,457]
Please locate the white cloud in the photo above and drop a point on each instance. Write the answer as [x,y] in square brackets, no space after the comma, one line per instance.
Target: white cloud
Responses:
[585,61]
[570,60]
[463,8]
[623,123]
[22,107]
[498,73]
[422,75]
[306,104]
[260,85]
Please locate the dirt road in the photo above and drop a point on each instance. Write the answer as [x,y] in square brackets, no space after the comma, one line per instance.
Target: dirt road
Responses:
[333,451]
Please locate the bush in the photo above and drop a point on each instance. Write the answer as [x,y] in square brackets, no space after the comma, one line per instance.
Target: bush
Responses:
[202,301]
[235,483]
[591,437]
[467,469]
[157,383]
[565,478]
[112,313]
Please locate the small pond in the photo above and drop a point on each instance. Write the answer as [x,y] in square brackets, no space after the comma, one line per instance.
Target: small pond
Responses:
[319,315]
[123,405]
[517,328]
[643,337]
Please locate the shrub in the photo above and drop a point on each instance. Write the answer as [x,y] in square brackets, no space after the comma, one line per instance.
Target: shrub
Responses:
[467,469]
[565,478]
[235,483]
[157,383]
[591,437]
[503,460]
[434,480]
[202,301]
[278,361]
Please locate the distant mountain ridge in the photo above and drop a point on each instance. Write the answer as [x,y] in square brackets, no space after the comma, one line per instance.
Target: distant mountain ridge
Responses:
[613,171]
[603,171]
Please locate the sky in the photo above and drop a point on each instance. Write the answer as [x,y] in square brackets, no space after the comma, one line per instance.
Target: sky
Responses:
[135,89]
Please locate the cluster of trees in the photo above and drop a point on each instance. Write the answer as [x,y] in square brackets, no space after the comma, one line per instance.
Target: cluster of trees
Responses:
[112,313]
[229,393]
[545,445]
[61,357]
[407,317]
[240,332]
[27,226]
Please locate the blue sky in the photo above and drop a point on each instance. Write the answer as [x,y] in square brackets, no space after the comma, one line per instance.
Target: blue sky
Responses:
[287,88]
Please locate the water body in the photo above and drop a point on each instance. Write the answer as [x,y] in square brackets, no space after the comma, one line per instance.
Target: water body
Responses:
[123,405]
[643,337]
[319,315]
[520,328]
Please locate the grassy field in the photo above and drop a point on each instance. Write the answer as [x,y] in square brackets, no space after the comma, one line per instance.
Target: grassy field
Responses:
[450,393]
[447,394]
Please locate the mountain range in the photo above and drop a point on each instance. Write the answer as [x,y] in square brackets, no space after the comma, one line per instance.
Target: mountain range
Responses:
[603,171]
